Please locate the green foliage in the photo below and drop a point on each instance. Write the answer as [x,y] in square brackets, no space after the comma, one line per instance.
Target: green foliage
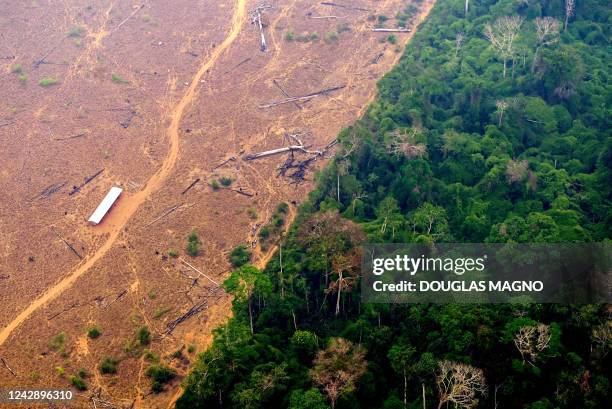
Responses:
[161,311]
[539,172]
[173,253]
[143,335]
[48,81]
[108,366]
[214,184]
[289,35]
[94,332]
[58,342]
[16,69]
[225,181]
[76,32]
[117,79]
[78,382]
[193,244]
[160,375]
[240,256]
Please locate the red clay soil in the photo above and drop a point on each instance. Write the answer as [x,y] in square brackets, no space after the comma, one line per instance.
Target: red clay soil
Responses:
[156,96]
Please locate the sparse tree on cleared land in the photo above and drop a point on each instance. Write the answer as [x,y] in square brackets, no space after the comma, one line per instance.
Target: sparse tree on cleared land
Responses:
[547,32]
[502,35]
[338,368]
[459,384]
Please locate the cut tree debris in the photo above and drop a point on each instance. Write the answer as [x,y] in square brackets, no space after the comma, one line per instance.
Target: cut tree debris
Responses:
[129,17]
[6,365]
[256,19]
[231,158]
[49,190]
[303,97]
[44,57]
[76,189]
[165,213]
[78,135]
[329,3]
[198,271]
[242,192]
[285,93]
[59,236]
[190,186]
[392,30]
[194,310]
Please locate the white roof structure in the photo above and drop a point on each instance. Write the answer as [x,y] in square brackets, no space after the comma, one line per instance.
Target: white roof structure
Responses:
[105,205]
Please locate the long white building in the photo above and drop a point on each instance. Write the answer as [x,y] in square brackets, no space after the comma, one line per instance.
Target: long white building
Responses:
[105,205]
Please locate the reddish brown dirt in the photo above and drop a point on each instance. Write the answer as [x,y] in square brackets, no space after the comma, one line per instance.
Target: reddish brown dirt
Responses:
[194,75]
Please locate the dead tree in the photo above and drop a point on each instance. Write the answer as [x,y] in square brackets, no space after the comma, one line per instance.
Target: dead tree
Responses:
[502,35]
[303,97]
[531,340]
[459,384]
[570,6]
[547,32]
[501,106]
[256,19]
[403,142]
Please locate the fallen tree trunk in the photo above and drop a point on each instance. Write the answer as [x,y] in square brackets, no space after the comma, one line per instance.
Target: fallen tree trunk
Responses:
[164,214]
[67,244]
[391,30]
[199,272]
[6,365]
[329,3]
[292,148]
[129,17]
[75,189]
[190,186]
[303,97]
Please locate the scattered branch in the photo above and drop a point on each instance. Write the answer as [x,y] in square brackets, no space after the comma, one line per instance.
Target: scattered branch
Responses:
[303,97]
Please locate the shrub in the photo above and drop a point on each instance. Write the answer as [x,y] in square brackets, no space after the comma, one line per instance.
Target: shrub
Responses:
[78,383]
[94,332]
[240,256]
[108,365]
[191,348]
[16,69]
[151,356]
[48,81]
[289,35]
[331,36]
[392,39]
[23,78]
[173,253]
[58,341]
[143,335]
[252,212]
[342,27]
[117,79]
[214,184]
[314,36]
[60,371]
[193,244]
[76,32]
[160,375]
[264,233]
[225,181]
[160,312]
[282,207]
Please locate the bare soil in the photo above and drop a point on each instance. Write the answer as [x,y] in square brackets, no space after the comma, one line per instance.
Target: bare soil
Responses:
[156,96]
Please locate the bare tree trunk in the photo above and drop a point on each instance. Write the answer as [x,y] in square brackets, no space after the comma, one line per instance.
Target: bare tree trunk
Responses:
[281,278]
[339,293]
[467,5]
[338,184]
[504,67]
[424,404]
[405,388]
[251,316]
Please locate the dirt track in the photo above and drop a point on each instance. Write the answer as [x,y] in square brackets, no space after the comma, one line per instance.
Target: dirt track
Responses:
[188,122]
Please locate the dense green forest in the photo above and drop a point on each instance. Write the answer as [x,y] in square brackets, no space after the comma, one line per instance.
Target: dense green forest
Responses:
[494,127]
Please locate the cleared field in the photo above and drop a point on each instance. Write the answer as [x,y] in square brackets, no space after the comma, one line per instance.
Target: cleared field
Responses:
[155,96]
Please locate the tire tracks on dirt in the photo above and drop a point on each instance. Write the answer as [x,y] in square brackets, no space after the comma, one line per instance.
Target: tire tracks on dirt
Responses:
[130,204]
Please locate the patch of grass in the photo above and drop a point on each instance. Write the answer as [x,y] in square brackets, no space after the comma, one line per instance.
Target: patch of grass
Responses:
[342,27]
[59,341]
[94,332]
[152,294]
[48,81]
[252,212]
[143,335]
[214,184]
[392,39]
[225,181]
[314,36]
[60,371]
[34,375]
[78,383]
[151,356]
[331,37]
[83,373]
[76,32]
[173,253]
[117,79]
[191,348]
[193,244]
[108,366]
[239,256]
[160,375]
[23,79]
[289,35]
[146,18]
[159,312]
[16,69]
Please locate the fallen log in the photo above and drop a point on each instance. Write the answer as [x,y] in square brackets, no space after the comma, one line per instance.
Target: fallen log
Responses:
[6,365]
[303,97]
[238,65]
[79,135]
[67,244]
[44,57]
[49,190]
[129,17]
[199,272]
[329,3]
[231,158]
[119,296]
[285,93]
[253,156]
[242,192]
[391,30]
[195,309]
[190,186]
[164,214]
[75,189]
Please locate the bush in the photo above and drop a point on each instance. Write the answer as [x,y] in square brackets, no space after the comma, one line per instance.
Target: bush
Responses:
[94,332]
[240,256]
[193,244]
[214,184]
[392,39]
[341,28]
[225,181]
[143,335]
[23,78]
[16,69]
[173,253]
[48,81]
[78,383]
[58,341]
[282,208]
[160,375]
[117,79]
[76,32]
[331,36]
[160,311]
[289,35]
[108,365]
[151,356]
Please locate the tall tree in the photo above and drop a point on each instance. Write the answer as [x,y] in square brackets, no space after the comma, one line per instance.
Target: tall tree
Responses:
[459,384]
[338,368]
[502,35]
[547,33]
[570,6]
